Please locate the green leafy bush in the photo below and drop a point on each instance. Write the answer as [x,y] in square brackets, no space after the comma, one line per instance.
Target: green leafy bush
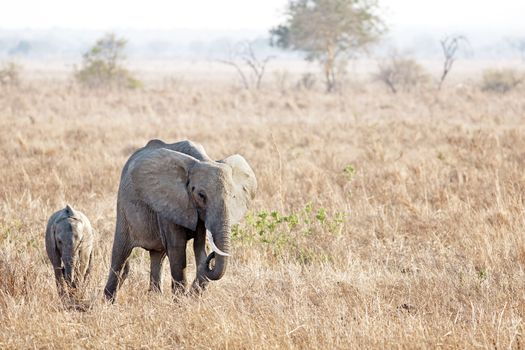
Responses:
[9,74]
[349,171]
[102,65]
[292,236]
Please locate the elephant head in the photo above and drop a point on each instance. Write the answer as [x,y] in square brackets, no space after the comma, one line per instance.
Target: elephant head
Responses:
[183,190]
[68,234]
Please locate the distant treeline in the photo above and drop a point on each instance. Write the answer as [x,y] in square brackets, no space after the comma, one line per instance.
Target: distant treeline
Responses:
[69,43]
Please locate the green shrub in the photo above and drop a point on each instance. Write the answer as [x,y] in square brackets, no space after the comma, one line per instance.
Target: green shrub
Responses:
[9,74]
[102,65]
[293,236]
[349,171]
[500,80]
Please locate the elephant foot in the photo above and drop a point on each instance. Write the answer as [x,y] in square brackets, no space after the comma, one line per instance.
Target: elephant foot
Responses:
[109,296]
[178,289]
[155,288]
[198,287]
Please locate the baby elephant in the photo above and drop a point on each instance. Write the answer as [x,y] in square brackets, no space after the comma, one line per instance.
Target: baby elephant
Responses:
[69,245]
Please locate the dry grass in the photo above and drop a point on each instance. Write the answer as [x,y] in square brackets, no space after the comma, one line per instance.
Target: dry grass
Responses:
[430,252]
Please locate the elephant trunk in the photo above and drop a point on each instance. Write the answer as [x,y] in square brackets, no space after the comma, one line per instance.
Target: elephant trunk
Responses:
[69,270]
[221,240]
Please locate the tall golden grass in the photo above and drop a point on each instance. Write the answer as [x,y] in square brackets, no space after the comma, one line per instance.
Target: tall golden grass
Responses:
[408,217]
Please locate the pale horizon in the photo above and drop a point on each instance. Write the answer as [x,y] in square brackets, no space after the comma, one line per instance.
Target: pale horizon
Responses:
[206,28]
[238,15]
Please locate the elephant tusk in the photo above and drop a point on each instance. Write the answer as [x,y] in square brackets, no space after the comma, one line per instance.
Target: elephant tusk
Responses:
[213,246]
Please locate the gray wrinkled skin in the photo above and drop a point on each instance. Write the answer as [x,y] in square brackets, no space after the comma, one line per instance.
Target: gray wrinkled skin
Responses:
[69,246]
[169,194]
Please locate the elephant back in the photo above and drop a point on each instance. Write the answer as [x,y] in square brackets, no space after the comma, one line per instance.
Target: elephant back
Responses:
[190,148]
[187,147]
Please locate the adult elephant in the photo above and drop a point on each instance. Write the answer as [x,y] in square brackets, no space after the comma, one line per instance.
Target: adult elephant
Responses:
[170,193]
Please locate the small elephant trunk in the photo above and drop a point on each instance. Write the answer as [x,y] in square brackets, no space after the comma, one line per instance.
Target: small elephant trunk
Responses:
[221,239]
[69,271]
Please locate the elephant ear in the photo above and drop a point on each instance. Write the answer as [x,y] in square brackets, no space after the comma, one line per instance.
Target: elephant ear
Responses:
[70,212]
[52,250]
[160,177]
[244,186]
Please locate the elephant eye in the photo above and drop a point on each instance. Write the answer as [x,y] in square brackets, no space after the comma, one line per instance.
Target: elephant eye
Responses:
[202,196]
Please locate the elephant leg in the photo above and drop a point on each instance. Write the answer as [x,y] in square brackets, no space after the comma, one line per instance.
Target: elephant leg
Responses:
[124,274]
[199,248]
[118,272]
[177,258]
[87,274]
[75,283]
[59,279]
[119,256]
[155,275]
[174,237]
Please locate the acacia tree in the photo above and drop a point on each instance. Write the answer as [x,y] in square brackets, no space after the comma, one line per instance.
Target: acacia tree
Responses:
[329,31]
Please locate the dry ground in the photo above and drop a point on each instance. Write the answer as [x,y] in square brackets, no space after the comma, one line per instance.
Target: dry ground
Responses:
[398,219]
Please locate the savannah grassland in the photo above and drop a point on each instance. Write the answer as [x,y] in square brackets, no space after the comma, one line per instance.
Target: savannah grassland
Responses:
[381,220]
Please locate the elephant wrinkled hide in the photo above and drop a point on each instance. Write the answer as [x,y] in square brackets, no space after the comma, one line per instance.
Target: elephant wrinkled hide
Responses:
[69,246]
[170,193]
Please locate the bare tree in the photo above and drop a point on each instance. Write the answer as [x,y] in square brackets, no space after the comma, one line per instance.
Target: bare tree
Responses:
[244,57]
[450,46]
[235,64]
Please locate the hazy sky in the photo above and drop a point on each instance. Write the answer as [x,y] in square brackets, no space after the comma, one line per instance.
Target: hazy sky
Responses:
[506,15]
